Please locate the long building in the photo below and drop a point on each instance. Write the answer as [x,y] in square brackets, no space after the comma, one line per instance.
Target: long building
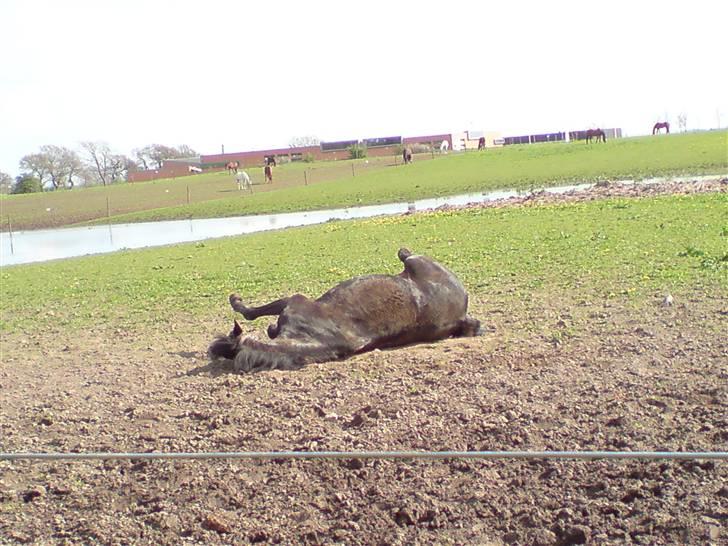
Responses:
[333,151]
[326,151]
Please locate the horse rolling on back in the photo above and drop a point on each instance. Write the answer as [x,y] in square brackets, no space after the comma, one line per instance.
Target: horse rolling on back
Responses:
[426,302]
[595,133]
[243,181]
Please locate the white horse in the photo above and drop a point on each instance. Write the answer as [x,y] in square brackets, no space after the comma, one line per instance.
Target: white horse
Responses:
[243,181]
[444,146]
[193,169]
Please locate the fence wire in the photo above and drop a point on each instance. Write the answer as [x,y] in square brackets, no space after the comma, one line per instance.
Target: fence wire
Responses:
[271,455]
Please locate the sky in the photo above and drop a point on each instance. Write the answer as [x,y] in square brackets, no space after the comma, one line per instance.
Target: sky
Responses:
[254,75]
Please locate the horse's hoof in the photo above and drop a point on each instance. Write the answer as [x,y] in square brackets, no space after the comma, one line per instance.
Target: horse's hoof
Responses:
[404,253]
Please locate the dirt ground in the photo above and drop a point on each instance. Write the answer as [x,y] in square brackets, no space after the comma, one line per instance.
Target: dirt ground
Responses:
[653,378]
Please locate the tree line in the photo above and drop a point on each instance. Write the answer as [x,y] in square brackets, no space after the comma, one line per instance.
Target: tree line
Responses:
[94,163]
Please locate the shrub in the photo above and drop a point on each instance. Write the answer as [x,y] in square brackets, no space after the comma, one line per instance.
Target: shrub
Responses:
[27,184]
[357,151]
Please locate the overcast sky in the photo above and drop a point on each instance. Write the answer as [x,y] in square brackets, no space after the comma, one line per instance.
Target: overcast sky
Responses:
[253,75]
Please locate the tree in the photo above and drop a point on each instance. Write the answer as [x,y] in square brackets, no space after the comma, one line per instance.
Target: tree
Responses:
[27,183]
[304,142]
[357,151]
[153,155]
[682,121]
[36,166]
[105,166]
[55,164]
[6,182]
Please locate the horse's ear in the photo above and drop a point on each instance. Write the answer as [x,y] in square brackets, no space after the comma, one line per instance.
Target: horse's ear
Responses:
[237,330]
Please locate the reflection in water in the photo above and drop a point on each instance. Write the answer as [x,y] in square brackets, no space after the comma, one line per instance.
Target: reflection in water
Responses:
[42,245]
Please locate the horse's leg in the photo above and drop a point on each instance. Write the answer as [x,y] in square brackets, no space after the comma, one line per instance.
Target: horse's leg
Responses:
[252,313]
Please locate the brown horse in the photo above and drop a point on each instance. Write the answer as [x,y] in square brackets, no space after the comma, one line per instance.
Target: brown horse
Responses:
[595,133]
[268,171]
[232,167]
[661,125]
[426,302]
[407,155]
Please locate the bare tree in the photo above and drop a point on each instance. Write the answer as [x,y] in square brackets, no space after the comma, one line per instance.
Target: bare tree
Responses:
[6,182]
[37,166]
[304,141]
[153,155]
[105,166]
[682,121]
[62,164]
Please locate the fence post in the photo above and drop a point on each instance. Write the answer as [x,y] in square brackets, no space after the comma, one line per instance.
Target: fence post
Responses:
[108,207]
[188,194]
[352,170]
[10,231]
[305,177]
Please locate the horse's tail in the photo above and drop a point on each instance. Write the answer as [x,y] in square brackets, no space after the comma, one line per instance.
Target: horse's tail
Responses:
[258,356]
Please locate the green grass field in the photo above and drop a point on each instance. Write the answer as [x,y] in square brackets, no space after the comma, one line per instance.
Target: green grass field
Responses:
[331,184]
[616,248]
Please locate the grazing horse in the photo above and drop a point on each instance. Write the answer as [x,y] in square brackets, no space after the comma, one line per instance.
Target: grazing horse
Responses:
[481,143]
[595,133]
[426,302]
[268,171]
[232,167]
[193,169]
[243,181]
[407,155]
[661,125]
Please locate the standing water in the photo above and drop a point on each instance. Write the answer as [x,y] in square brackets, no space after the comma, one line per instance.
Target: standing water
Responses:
[43,245]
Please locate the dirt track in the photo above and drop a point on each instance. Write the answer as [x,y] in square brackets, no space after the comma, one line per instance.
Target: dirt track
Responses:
[653,379]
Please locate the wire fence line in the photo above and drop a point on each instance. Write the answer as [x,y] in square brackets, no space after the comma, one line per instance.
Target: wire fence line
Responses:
[270,455]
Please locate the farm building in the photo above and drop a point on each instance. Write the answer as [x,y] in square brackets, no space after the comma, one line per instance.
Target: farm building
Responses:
[333,151]
[560,136]
[326,151]
[469,140]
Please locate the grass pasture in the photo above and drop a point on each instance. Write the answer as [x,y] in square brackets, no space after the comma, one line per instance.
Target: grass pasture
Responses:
[618,248]
[331,184]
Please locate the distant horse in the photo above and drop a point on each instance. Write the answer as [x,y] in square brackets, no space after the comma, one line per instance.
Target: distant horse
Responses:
[270,160]
[193,169]
[595,133]
[481,143]
[268,170]
[243,181]
[407,155]
[444,145]
[424,303]
[232,167]
[661,125]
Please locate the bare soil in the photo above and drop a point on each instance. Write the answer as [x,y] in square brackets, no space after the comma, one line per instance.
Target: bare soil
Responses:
[650,377]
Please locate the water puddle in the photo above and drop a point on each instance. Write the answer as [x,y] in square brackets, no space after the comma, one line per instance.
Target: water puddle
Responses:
[42,245]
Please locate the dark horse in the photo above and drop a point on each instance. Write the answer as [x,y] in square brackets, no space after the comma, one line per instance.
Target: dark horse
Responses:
[232,167]
[595,133]
[661,125]
[407,155]
[270,160]
[268,171]
[426,302]
[481,143]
